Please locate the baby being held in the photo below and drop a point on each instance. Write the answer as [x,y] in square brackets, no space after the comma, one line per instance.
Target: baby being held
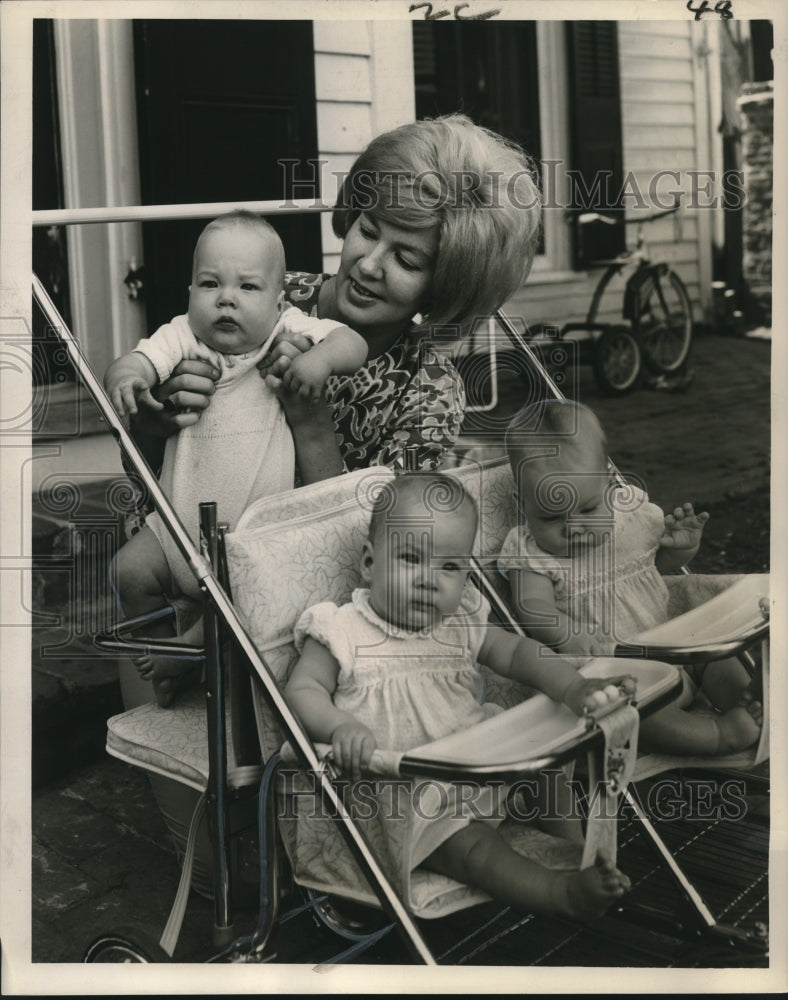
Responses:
[585,568]
[240,447]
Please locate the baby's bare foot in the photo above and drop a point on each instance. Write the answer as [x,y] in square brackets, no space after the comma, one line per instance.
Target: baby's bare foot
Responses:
[740,726]
[169,675]
[753,706]
[590,892]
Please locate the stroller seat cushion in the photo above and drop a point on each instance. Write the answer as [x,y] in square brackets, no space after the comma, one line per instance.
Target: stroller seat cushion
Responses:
[170,741]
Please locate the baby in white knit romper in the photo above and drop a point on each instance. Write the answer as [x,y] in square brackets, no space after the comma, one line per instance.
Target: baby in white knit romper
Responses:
[241,447]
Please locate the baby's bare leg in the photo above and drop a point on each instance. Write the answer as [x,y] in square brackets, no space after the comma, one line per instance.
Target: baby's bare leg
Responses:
[724,681]
[142,580]
[678,731]
[478,856]
[557,807]
[171,674]
[729,687]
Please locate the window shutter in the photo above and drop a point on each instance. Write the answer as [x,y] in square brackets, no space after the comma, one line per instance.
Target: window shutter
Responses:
[596,146]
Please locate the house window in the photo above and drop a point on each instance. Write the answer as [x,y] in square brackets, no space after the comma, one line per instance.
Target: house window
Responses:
[509,76]
[551,86]
[486,70]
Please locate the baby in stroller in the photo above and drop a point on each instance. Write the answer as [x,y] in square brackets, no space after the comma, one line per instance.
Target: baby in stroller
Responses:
[585,568]
[240,448]
[397,666]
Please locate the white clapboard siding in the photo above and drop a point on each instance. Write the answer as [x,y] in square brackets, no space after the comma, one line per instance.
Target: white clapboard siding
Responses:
[348,37]
[641,134]
[672,91]
[677,27]
[341,77]
[644,40]
[360,67]
[660,132]
[654,69]
[343,127]
[344,93]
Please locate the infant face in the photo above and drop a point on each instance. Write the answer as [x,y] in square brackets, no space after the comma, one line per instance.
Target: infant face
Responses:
[566,508]
[235,297]
[416,568]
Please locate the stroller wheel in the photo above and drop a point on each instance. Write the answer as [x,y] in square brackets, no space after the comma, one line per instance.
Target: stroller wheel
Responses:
[124,946]
[346,918]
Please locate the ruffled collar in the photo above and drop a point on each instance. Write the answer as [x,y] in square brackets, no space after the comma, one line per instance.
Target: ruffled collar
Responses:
[360,601]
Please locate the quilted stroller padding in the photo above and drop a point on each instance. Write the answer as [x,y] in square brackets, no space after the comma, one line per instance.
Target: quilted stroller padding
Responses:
[172,742]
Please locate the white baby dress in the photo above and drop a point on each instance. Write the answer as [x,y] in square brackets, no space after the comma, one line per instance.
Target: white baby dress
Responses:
[614,590]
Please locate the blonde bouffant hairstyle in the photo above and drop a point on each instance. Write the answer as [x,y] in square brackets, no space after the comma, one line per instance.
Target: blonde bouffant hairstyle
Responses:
[477,187]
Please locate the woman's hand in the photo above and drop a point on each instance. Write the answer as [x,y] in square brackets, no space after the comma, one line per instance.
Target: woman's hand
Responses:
[301,411]
[185,394]
[286,348]
[314,436]
[352,744]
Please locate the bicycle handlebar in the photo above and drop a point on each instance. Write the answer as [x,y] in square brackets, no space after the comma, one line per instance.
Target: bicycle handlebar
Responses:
[587,217]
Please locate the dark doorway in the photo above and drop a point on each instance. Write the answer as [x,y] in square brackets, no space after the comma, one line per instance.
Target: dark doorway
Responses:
[486,69]
[219,104]
[50,256]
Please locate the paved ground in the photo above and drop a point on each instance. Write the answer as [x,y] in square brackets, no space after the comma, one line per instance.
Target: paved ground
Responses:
[100,852]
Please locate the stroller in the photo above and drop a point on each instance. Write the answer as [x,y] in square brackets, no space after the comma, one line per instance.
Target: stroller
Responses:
[233,764]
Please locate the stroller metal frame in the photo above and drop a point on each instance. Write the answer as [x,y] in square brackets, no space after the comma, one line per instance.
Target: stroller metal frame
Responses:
[221,619]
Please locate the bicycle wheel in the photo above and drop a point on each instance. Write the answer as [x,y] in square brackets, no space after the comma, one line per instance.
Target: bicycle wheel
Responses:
[617,361]
[663,321]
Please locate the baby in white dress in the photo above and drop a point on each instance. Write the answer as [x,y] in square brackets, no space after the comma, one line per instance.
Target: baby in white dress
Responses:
[585,568]
[399,666]
[240,448]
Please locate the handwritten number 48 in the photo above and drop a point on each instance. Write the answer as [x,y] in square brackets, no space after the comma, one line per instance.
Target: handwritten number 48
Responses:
[722,7]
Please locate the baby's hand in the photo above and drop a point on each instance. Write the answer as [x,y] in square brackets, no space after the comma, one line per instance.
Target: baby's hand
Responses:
[295,323]
[294,334]
[586,694]
[307,374]
[683,528]
[352,744]
[128,391]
